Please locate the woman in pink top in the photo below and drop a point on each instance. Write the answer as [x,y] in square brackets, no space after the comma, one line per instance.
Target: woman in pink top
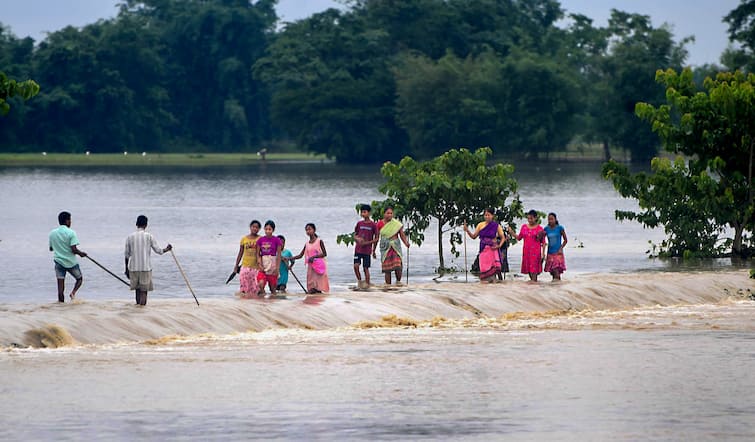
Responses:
[533,250]
[317,271]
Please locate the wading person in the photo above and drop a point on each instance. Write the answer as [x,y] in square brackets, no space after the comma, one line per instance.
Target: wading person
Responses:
[490,254]
[269,250]
[247,257]
[314,253]
[64,245]
[285,266]
[533,250]
[391,255]
[138,265]
[555,264]
[366,238]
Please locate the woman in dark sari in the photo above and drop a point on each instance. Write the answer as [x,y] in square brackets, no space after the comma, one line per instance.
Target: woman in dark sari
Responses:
[490,255]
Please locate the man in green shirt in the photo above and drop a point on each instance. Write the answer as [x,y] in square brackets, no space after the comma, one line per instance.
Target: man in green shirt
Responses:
[64,245]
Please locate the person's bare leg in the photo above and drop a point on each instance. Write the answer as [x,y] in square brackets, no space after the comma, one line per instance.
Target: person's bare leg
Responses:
[388,278]
[398,275]
[142,297]
[61,289]
[533,277]
[556,276]
[357,274]
[367,276]
[76,288]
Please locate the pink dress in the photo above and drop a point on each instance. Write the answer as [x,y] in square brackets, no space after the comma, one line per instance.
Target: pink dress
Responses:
[317,274]
[532,258]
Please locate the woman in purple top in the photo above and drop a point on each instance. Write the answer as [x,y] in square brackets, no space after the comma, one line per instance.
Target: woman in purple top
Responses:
[490,256]
[269,248]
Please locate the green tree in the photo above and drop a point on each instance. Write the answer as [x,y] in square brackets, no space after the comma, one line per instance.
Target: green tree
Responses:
[451,188]
[617,63]
[715,129]
[332,89]
[741,22]
[485,100]
[9,88]
[678,199]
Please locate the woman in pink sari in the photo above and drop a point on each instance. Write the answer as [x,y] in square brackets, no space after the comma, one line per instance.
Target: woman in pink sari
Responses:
[534,246]
[490,256]
[317,271]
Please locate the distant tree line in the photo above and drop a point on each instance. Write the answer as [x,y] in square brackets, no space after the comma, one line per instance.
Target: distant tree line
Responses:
[376,81]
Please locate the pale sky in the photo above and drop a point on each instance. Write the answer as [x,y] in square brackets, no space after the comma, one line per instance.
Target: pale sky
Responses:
[701,18]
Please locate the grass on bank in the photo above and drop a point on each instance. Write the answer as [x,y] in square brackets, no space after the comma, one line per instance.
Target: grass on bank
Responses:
[150,159]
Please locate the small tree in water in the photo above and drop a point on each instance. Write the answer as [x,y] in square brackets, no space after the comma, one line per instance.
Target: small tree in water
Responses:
[452,188]
[697,198]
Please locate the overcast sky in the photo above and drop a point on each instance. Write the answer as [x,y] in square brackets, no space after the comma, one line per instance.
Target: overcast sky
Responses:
[701,18]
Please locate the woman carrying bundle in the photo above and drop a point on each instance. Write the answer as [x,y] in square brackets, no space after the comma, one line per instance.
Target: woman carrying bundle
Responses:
[490,255]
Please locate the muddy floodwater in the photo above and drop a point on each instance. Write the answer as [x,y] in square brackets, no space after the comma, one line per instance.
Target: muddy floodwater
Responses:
[625,348]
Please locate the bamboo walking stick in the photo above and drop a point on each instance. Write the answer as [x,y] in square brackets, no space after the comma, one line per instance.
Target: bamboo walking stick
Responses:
[184,275]
[291,271]
[466,272]
[111,273]
[407,260]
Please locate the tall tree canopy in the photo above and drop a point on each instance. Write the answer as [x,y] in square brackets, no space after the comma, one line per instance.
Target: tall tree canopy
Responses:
[715,130]
[374,81]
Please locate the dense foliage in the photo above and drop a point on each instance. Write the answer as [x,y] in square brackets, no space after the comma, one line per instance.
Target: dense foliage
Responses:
[375,81]
[10,88]
[695,200]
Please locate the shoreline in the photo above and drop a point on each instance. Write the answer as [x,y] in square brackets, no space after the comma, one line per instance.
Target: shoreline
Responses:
[136,159]
[114,322]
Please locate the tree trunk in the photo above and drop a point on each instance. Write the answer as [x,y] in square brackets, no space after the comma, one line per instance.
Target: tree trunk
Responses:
[606,151]
[442,268]
[736,247]
[749,174]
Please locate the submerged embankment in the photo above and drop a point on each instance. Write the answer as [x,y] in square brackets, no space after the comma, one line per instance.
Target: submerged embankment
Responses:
[106,322]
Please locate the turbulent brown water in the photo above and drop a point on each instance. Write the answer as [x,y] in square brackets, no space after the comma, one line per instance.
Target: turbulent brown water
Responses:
[563,304]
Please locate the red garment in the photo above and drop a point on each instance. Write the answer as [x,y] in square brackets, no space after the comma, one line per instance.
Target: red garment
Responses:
[368,231]
[532,258]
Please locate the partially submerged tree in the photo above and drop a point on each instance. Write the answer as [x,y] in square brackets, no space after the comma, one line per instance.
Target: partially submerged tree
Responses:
[10,88]
[452,188]
[715,129]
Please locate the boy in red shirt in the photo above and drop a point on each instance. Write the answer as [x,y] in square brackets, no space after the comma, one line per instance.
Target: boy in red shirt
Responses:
[366,237]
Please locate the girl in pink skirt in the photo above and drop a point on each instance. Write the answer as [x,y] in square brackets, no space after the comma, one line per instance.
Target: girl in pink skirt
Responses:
[555,263]
[534,246]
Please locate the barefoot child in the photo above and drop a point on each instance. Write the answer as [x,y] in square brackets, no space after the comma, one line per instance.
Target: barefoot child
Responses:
[286,264]
[248,257]
[314,251]
[269,250]
[366,237]
[554,262]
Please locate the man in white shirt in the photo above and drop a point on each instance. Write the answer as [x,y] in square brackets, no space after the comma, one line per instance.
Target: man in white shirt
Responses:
[138,265]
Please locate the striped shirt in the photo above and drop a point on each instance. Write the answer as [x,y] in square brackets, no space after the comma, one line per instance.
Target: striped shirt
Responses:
[137,251]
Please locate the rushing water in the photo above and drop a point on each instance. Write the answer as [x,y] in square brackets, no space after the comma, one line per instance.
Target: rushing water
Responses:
[625,348]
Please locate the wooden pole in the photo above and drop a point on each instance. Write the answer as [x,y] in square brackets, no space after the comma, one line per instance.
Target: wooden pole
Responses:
[466,272]
[111,273]
[184,275]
